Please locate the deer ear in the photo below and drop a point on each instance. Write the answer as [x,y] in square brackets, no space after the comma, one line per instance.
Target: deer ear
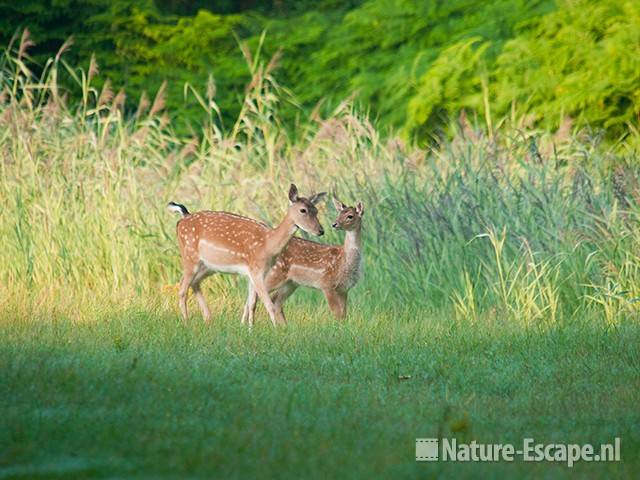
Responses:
[339,206]
[360,209]
[293,193]
[317,198]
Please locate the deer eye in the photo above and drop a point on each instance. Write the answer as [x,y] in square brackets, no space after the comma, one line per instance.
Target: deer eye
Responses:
[303,210]
[349,217]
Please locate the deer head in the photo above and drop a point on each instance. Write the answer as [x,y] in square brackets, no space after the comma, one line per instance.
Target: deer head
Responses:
[303,211]
[349,218]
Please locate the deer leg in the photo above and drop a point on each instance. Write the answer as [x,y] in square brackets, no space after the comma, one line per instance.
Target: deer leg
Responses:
[263,293]
[206,313]
[337,302]
[250,305]
[281,295]
[275,282]
[200,274]
[184,290]
[252,308]
[271,283]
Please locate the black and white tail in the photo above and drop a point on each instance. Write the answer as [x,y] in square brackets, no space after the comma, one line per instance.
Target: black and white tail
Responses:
[178,208]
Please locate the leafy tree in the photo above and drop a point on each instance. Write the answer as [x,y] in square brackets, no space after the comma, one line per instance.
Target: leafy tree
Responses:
[451,83]
[582,61]
[412,64]
[51,22]
[140,49]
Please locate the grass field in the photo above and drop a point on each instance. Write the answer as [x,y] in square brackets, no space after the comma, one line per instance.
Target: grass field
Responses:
[500,298]
[136,394]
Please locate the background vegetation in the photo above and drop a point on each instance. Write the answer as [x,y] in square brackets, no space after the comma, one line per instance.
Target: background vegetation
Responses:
[536,226]
[412,64]
[501,286]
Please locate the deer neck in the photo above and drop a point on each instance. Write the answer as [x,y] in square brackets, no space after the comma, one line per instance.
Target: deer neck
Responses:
[351,268]
[352,242]
[278,238]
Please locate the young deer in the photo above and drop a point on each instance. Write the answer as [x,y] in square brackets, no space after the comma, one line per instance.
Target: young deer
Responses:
[334,269]
[213,242]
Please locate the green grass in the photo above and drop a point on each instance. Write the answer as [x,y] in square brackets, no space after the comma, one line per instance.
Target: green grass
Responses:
[138,394]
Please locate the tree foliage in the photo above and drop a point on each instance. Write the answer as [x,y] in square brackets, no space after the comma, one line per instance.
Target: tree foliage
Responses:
[582,61]
[413,64]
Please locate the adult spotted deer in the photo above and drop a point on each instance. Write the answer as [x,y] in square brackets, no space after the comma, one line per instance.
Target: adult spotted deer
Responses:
[213,242]
[334,269]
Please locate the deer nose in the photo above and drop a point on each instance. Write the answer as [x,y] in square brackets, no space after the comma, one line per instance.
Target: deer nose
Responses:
[335,225]
[321,232]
